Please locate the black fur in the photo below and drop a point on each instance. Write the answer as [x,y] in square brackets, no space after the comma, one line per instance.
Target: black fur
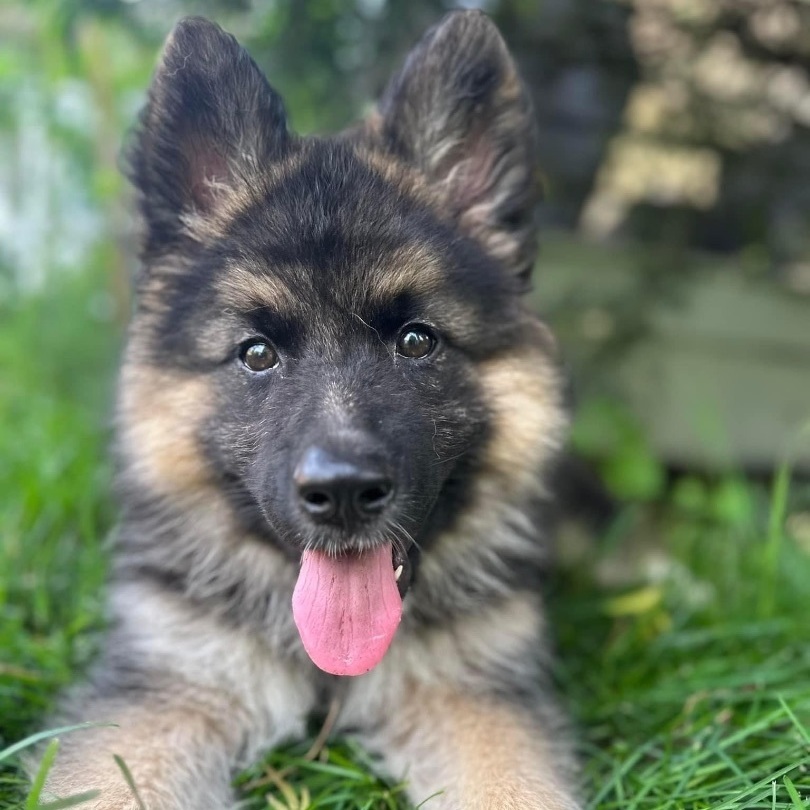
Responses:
[211,114]
[459,112]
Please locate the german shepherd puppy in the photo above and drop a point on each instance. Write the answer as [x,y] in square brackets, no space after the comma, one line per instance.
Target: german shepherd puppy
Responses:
[334,417]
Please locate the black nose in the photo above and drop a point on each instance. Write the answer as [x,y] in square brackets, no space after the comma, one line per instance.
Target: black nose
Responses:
[334,488]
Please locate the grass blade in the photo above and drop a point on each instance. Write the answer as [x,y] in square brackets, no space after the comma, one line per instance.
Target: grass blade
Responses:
[70,801]
[129,780]
[794,794]
[795,720]
[32,802]
[33,739]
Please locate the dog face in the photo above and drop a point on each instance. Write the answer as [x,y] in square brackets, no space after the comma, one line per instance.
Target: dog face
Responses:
[329,337]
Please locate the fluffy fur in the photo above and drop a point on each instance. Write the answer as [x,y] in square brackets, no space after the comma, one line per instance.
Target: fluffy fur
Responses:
[327,249]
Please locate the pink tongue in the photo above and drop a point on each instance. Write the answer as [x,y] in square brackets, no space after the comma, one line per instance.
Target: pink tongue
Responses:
[347,609]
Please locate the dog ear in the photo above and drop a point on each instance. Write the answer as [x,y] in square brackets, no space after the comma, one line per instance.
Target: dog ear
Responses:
[210,120]
[459,112]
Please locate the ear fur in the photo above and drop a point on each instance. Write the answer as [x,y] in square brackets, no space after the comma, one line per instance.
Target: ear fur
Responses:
[458,111]
[210,119]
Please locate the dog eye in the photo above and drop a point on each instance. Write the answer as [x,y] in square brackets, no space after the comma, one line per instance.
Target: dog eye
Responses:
[259,356]
[415,341]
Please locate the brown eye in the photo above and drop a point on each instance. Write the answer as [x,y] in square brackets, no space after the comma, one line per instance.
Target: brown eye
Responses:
[415,342]
[259,356]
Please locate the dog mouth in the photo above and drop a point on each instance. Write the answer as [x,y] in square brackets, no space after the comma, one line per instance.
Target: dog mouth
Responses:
[404,562]
[347,606]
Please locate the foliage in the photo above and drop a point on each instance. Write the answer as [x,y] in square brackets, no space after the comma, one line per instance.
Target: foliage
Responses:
[55,362]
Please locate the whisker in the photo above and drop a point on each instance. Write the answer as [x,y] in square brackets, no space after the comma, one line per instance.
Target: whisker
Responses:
[369,326]
[408,536]
[449,459]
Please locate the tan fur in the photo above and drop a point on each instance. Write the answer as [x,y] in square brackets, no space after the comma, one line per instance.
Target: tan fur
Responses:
[431,717]
[472,753]
[529,421]
[438,656]
[403,270]
[242,289]
[219,698]
[160,749]
[160,414]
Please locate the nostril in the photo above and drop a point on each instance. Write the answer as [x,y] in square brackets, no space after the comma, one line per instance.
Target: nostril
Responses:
[318,502]
[374,498]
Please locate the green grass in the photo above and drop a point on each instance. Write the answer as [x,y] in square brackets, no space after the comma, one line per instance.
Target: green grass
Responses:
[56,362]
[688,677]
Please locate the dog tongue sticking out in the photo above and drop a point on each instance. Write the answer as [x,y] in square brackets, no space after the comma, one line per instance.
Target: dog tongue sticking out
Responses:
[347,609]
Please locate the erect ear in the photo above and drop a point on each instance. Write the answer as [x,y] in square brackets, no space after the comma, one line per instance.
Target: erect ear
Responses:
[210,120]
[459,112]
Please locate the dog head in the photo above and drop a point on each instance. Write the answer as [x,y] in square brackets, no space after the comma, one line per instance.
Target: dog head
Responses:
[329,333]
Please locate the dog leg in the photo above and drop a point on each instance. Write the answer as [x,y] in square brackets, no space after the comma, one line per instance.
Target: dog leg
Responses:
[179,752]
[192,699]
[475,753]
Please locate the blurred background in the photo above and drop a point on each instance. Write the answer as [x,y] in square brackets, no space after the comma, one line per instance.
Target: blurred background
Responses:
[675,269]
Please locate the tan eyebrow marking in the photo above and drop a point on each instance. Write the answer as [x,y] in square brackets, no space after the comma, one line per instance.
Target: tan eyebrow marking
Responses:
[407,269]
[245,288]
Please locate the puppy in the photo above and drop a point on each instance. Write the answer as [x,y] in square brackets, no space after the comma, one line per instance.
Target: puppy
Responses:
[334,418]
